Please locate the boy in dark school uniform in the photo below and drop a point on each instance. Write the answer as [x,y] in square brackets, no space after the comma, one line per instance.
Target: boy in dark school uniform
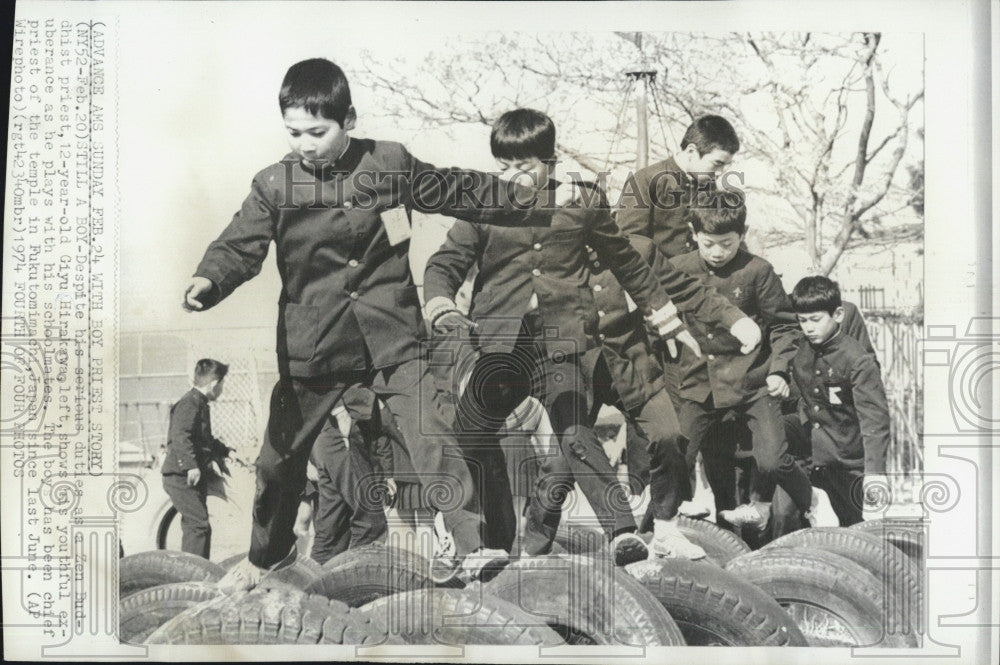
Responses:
[843,415]
[627,375]
[532,316]
[655,200]
[193,454]
[353,459]
[348,310]
[751,385]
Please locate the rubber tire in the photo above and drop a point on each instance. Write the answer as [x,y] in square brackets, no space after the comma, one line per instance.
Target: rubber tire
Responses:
[148,569]
[581,597]
[893,568]
[144,611]
[907,536]
[720,545]
[268,615]
[299,575]
[712,606]
[473,615]
[365,574]
[823,579]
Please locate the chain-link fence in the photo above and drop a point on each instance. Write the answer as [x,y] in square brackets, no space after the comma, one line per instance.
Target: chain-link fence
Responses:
[156,370]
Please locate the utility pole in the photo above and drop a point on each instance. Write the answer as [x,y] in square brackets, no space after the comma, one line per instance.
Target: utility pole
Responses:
[643,81]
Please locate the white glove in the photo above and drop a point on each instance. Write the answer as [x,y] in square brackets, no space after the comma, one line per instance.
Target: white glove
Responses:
[748,332]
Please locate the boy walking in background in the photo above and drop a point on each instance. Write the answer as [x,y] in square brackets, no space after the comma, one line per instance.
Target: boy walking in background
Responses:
[751,384]
[842,412]
[532,317]
[348,310]
[192,454]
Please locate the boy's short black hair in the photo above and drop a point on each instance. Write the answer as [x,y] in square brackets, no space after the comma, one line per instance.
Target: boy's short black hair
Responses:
[523,134]
[319,86]
[816,293]
[710,132]
[717,211]
[206,369]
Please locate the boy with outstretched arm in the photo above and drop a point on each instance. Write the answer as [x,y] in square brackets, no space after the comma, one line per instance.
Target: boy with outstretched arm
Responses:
[725,379]
[348,310]
[626,374]
[532,317]
[842,409]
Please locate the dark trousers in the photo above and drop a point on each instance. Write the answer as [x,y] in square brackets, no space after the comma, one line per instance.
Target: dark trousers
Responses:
[770,448]
[348,510]
[300,407]
[499,382]
[192,505]
[653,446]
[843,485]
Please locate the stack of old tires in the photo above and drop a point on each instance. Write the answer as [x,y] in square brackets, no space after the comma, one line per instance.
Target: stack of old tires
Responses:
[815,587]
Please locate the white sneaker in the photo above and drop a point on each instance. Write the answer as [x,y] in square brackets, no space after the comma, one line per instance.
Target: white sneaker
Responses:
[669,542]
[241,577]
[821,511]
[754,515]
[245,576]
[694,510]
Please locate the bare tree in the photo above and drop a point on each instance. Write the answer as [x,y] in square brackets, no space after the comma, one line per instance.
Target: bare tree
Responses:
[819,115]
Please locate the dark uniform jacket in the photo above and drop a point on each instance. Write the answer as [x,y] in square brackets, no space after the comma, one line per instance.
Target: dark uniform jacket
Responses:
[854,326]
[550,262]
[190,444]
[843,398]
[625,346]
[653,204]
[731,378]
[346,290]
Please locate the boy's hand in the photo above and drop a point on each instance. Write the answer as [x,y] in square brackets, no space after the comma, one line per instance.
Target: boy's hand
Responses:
[777,386]
[687,339]
[614,449]
[390,491]
[453,321]
[312,473]
[197,287]
[748,332]
[877,496]
[193,476]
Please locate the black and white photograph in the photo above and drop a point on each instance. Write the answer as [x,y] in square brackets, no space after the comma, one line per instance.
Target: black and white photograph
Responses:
[408,331]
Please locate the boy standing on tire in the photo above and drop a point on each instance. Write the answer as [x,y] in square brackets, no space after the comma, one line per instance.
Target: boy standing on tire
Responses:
[532,317]
[752,384]
[625,373]
[348,310]
[192,454]
[842,409]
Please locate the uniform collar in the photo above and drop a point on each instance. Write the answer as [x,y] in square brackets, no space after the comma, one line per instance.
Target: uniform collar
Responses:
[738,260]
[341,167]
[200,395]
[833,343]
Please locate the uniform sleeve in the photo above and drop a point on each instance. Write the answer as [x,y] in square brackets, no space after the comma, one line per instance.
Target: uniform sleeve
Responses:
[447,268]
[635,214]
[473,196]
[776,310]
[239,252]
[873,413]
[615,251]
[854,326]
[692,296]
[183,420]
